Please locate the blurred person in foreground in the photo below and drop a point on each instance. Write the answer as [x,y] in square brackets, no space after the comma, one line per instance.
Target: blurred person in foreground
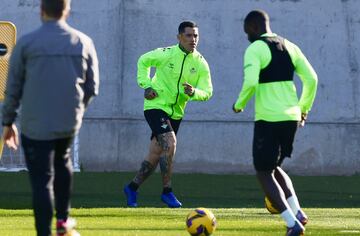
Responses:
[53,75]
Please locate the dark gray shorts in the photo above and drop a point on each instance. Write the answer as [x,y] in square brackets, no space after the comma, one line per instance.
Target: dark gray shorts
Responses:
[160,122]
[273,141]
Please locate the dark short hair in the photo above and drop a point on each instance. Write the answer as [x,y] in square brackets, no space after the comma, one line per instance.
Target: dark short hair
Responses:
[54,8]
[185,24]
[257,16]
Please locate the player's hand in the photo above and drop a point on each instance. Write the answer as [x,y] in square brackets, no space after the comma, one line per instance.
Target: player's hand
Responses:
[11,136]
[188,89]
[236,110]
[303,119]
[150,93]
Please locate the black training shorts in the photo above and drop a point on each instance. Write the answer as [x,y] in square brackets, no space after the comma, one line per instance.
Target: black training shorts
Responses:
[273,141]
[160,122]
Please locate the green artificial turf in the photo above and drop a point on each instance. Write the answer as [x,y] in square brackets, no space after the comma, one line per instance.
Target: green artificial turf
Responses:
[236,200]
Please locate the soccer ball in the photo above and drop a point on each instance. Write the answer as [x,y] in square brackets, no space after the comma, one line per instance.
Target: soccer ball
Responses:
[270,207]
[200,222]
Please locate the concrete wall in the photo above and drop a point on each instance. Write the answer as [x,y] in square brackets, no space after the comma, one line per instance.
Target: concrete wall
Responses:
[212,139]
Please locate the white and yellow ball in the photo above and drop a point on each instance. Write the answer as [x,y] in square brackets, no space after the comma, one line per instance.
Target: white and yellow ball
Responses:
[200,222]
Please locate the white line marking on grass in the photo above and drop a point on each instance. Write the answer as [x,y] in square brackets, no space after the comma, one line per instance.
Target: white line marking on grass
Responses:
[350,231]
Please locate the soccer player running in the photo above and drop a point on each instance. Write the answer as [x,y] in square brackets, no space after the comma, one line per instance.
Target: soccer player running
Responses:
[269,65]
[182,75]
[53,74]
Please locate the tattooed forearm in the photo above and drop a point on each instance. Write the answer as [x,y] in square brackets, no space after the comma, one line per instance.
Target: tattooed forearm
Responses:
[145,171]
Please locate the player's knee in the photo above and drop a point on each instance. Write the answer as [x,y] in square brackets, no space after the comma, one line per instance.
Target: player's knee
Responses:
[147,167]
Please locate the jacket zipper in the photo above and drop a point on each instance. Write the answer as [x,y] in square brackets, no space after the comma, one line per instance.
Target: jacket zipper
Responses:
[178,89]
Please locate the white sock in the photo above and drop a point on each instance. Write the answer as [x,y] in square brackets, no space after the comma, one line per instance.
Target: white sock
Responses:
[294,204]
[289,217]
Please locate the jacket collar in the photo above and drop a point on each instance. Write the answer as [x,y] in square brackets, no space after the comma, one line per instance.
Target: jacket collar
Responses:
[182,50]
[55,23]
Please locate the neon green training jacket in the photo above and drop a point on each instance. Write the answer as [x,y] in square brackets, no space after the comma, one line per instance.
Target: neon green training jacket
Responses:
[173,68]
[276,101]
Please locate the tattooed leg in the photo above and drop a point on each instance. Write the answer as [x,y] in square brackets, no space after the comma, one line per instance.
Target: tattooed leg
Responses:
[145,171]
[167,142]
[147,166]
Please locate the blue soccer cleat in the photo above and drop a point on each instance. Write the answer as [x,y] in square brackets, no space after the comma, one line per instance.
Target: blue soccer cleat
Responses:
[130,196]
[170,200]
[296,230]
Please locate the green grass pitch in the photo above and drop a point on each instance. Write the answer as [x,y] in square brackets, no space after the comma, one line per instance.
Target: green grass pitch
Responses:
[332,203]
